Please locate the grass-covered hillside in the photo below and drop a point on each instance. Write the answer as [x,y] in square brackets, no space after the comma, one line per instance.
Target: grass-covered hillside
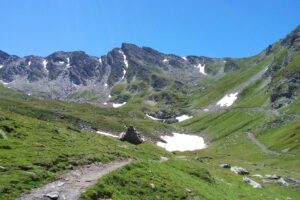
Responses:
[42,138]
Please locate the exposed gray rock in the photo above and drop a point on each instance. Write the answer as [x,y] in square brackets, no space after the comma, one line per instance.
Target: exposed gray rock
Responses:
[257,175]
[226,165]
[285,150]
[239,170]
[52,195]
[68,75]
[152,185]
[292,180]
[25,167]
[251,182]
[271,176]
[282,182]
[132,136]
[2,169]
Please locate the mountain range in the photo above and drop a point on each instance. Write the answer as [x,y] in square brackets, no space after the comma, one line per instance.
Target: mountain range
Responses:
[64,112]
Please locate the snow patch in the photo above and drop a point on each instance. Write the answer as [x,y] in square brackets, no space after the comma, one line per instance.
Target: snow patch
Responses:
[182,142]
[228,100]
[153,118]
[4,83]
[117,105]
[100,60]
[165,60]
[105,84]
[105,103]
[124,58]
[205,109]
[107,134]
[1,66]
[125,62]
[183,118]
[109,96]
[184,58]
[201,68]
[29,63]
[45,62]
[124,73]
[68,62]
[61,62]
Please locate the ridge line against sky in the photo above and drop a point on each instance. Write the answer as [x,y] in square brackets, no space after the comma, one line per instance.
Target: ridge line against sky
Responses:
[212,28]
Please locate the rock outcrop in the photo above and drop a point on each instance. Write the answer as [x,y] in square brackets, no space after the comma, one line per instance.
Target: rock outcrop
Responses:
[251,182]
[239,170]
[132,136]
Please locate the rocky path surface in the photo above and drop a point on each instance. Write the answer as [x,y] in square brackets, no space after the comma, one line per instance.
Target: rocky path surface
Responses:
[262,147]
[70,185]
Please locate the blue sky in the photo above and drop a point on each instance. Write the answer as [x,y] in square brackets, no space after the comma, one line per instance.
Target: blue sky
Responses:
[215,28]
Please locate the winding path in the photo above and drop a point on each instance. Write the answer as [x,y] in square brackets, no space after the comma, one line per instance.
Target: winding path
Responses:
[262,147]
[70,185]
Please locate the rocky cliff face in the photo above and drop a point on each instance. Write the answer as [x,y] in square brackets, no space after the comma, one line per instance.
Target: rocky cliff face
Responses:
[131,70]
[76,76]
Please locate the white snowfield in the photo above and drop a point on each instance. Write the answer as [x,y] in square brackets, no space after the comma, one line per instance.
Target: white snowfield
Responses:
[29,63]
[182,142]
[165,60]
[228,100]
[183,118]
[45,62]
[184,58]
[117,105]
[1,66]
[100,60]
[201,68]
[153,118]
[125,62]
[107,134]
[68,63]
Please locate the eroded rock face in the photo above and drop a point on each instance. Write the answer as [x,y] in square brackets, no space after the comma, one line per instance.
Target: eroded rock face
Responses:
[239,170]
[132,136]
[66,75]
[225,165]
[249,181]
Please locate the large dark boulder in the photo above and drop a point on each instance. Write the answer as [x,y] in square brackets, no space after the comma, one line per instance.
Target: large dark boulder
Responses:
[132,136]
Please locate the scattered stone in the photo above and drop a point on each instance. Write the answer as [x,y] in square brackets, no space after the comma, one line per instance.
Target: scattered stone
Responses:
[271,176]
[239,170]
[226,165]
[59,184]
[257,175]
[152,185]
[52,195]
[25,167]
[2,169]
[282,182]
[132,136]
[8,129]
[292,180]
[33,175]
[188,190]
[285,150]
[251,182]
[3,135]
